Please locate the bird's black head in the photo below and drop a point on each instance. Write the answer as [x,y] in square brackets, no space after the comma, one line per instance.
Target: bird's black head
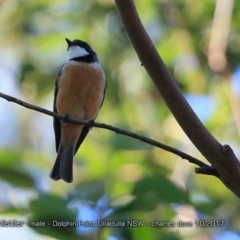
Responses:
[79,50]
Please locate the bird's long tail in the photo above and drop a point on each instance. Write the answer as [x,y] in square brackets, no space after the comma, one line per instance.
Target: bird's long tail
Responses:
[63,166]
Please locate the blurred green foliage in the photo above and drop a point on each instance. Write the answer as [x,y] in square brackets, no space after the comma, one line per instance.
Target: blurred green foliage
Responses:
[116,178]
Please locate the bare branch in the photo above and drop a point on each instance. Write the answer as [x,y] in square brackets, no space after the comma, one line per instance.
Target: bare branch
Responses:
[111,128]
[227,165]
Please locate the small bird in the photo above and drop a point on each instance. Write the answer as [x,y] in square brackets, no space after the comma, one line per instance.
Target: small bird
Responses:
[79,93]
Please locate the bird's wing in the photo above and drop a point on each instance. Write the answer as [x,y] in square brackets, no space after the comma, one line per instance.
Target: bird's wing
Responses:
[81,138]
[56,122]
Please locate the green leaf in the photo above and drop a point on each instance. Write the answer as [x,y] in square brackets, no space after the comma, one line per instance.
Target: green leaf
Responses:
[166,190]
[50,216]
[145,202]
[17,177]
[123,142]
[152,191]
[91,191]
[8,158]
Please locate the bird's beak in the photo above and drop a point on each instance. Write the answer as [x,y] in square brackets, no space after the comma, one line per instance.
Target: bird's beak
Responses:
[68,42]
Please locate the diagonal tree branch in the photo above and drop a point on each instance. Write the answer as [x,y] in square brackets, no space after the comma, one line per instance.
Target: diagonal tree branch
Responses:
[221,157]
[207,169]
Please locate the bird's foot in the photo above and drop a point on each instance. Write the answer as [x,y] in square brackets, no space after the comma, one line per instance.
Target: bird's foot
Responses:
[65,119]
[91,122]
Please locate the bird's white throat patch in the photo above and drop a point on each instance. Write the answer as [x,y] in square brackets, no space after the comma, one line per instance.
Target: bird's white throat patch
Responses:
[76,51]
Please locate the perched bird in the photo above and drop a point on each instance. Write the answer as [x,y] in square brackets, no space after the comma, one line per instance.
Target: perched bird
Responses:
[79,93]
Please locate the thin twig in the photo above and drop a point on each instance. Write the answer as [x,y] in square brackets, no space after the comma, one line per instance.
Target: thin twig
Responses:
[109,127]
